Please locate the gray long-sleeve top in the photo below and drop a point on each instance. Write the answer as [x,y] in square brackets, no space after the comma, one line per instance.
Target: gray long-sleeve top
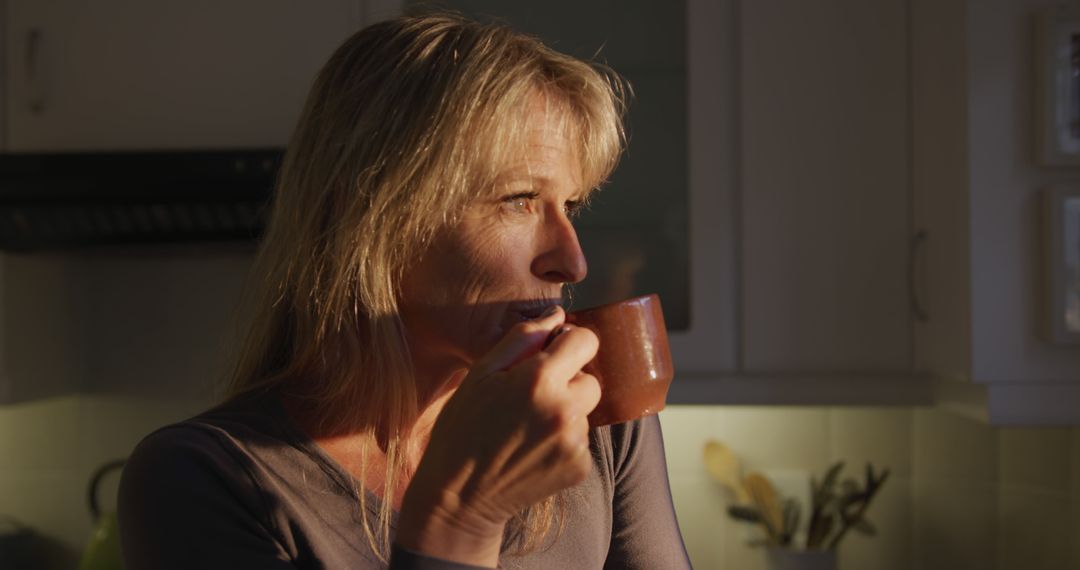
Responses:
[240,486]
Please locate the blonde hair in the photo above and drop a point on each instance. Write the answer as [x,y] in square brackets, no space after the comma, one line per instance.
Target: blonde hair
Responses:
[409,121]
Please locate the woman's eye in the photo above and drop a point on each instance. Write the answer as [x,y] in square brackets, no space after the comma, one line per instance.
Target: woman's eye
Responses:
[520,203]
[573,208]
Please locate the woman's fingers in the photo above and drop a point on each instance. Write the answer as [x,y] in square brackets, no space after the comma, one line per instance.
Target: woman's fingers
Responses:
[524,340]
[515,432]
[569,352]
[584,392]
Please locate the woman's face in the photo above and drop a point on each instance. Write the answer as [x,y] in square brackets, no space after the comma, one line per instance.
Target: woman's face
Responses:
[507,259]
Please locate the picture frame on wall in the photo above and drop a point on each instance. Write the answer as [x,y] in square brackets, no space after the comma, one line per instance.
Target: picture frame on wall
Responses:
[1057,86]
[1061,253]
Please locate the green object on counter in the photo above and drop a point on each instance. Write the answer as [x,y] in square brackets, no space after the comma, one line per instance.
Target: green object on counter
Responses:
[103,550]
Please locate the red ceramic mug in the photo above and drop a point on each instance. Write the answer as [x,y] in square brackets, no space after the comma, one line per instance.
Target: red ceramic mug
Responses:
[633,363]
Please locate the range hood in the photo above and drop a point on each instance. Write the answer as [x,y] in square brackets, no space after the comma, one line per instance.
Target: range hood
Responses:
[75,200]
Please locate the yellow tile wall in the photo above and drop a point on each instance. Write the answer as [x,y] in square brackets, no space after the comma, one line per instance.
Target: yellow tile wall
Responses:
[961,494]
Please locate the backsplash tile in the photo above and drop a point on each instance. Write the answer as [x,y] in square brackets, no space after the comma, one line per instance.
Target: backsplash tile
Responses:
[961,494]
[41,434]
[1035,458]
[686,429]
[700,507]
[950,447]
[1034,529]
[738,552]
[775,437]
[1075,532]
[52,502]
[955,525]
[881,436]
[1075,495]
[49,449]
[1075,462]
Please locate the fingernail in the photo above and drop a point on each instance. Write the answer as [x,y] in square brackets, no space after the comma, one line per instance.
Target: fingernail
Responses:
[554,334]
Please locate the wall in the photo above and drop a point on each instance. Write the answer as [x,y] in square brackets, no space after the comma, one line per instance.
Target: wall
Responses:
[961,495]
[49,449]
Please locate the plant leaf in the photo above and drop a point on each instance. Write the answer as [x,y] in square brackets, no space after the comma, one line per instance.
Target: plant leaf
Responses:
[816,537]
[832,474]
[850,499]
[743,513]
[864,526]
[822,493]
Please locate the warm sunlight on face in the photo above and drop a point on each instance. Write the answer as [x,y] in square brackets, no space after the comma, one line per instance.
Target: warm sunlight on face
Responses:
[509,256]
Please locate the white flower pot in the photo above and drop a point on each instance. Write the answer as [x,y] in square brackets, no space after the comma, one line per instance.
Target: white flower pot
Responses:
[784,559]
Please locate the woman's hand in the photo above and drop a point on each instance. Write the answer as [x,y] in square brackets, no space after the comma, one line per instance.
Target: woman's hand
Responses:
[515,432]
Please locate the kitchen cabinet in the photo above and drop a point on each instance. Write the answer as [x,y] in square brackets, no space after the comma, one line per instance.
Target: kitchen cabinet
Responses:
[120,75]
[822,197]
[976,195]
[3,77]
[823,162]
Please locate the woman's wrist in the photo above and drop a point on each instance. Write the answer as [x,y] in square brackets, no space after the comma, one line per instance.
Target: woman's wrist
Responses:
[437,524]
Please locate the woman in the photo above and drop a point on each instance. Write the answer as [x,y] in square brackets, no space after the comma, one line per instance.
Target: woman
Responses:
[409,394]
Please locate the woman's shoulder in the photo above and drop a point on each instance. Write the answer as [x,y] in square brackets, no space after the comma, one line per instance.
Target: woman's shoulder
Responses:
[627,442]
[202,478]
[234,423]
[189,443]
[178,460]
[220,449]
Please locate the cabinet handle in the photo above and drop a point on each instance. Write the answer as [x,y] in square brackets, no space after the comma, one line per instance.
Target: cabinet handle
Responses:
[35,99]
[917,306]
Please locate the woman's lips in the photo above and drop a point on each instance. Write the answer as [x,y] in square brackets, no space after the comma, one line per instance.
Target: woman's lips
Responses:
[532,311]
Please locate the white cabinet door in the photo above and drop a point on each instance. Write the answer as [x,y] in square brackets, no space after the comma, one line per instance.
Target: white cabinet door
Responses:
[127,74]
[824,186]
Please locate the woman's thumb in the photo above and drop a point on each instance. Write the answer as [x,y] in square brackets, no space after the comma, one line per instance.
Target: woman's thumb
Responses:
[522,341]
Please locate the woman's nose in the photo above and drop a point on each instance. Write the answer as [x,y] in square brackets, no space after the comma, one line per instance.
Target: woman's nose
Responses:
[561,259]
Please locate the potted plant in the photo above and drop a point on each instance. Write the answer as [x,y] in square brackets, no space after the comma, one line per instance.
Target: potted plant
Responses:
[836,508]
